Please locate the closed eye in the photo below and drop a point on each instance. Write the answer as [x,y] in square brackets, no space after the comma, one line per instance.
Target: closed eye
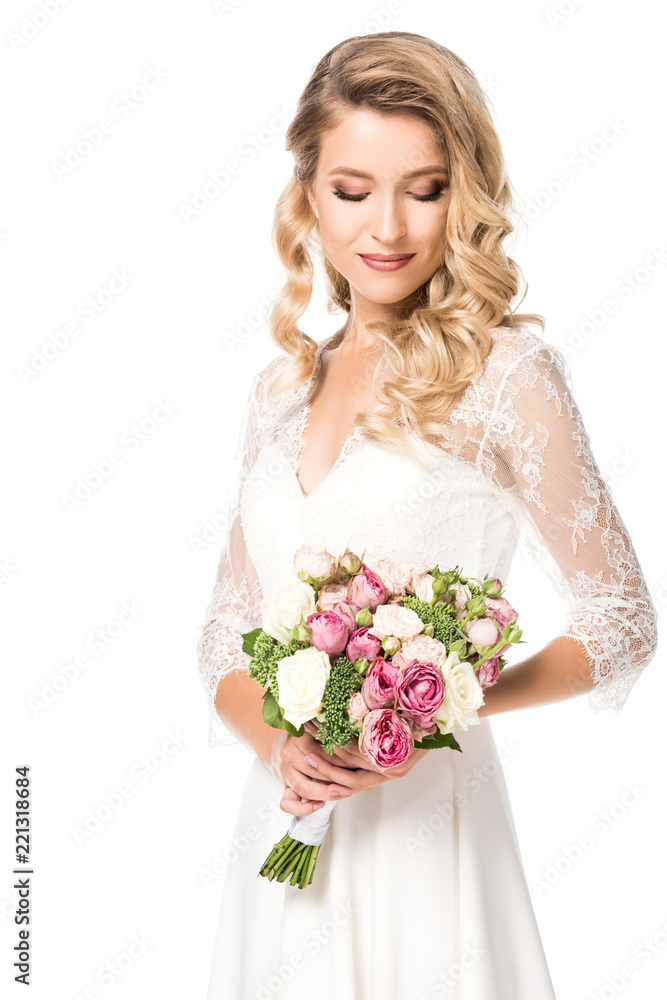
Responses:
[361,197]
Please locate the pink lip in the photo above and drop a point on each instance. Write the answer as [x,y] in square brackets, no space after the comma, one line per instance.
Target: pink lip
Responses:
[386,262]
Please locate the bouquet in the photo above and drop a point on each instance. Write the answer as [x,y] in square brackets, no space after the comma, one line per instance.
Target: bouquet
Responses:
[396,656]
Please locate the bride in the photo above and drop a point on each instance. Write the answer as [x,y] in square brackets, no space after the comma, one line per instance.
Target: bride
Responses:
[435,425]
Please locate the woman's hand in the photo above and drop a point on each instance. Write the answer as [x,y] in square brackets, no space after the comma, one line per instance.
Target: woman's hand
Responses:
[309,772]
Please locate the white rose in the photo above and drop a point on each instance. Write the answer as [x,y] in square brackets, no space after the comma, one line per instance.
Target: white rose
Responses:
[463,696]
[394,619]
[289,604]
[424,588]
[302,678]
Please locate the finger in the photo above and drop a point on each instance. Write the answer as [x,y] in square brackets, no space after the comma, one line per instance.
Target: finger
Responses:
[315,765]
[305,782]
[349,757]
[291,803]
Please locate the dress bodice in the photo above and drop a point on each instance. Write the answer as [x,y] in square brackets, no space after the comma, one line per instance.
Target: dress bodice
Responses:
[389,505]
[513,461]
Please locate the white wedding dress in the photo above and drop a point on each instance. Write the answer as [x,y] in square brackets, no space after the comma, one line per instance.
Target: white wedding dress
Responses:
[419,889]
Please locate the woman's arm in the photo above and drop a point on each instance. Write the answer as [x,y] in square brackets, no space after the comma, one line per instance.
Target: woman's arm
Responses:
[537,450]
[560,670]
[239,702]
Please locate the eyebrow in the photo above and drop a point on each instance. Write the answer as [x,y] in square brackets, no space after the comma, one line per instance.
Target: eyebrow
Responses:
[351,172]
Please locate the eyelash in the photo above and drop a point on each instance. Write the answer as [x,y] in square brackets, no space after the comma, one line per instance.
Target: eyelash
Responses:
[360,197]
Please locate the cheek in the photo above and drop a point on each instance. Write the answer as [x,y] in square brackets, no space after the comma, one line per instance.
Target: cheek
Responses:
[434,235]
[339,228]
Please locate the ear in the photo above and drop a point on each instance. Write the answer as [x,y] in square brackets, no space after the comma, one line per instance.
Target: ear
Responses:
[311,197]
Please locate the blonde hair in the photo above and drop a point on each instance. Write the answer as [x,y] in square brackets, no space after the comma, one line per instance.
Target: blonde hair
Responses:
[435,350]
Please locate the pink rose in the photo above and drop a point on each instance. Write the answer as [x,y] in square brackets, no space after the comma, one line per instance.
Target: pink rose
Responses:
[386,738]
[379,687]
[318,563]
[357,708]
[420,689]
[330,595]
[418,733]
[502,612]
[396,575]
[487,673]
[328,632]
[347,611]
[362,642]
[366,589]
[482,632]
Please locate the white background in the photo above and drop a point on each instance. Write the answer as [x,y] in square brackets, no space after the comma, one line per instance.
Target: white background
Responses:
[221,79]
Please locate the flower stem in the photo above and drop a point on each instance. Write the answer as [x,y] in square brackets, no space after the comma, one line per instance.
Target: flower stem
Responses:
[291,858]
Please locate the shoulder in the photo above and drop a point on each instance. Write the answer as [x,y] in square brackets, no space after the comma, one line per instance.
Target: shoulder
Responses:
[263,378]
[521,358]
[260,398]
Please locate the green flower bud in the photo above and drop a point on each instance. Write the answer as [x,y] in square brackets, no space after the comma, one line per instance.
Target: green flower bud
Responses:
[364,617]
[361,665]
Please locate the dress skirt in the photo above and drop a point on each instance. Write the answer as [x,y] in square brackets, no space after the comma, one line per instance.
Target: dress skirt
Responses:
[419,892]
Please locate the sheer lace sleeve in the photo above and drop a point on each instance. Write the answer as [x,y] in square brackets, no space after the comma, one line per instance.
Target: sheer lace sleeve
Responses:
[536,448]
[235,604]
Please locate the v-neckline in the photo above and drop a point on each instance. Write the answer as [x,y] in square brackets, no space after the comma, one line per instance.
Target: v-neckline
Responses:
[304,421]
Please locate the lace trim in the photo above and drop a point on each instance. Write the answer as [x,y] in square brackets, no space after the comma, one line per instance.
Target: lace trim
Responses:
[233,609]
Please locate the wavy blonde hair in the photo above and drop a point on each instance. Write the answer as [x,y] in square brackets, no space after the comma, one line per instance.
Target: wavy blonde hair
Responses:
[442,343]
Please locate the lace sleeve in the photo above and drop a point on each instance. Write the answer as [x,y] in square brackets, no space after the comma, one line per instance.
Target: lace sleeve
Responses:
[537,448]
[235,604]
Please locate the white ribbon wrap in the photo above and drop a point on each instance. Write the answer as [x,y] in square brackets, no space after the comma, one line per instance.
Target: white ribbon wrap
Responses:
[311,829]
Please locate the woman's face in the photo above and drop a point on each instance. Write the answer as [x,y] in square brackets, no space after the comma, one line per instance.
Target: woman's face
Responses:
[398,206]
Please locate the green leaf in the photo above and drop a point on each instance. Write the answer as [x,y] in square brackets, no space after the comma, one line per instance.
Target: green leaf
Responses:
[249,640]
[271,711]
[439,740]
[290,728]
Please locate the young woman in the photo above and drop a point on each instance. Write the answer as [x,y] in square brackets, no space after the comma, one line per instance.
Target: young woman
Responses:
[435,425]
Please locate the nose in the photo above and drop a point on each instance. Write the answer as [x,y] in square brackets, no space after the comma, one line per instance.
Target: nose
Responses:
[387,224]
